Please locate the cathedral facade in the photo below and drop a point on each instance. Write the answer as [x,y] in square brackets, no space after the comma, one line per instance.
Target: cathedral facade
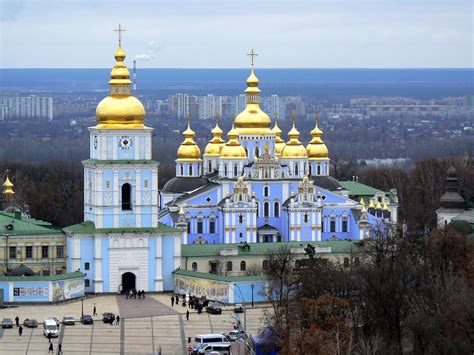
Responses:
[251,188]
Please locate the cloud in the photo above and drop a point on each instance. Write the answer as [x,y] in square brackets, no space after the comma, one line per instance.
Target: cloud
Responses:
[151,52]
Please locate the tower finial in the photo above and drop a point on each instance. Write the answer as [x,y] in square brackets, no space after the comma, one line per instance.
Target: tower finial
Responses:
[189,120]
[252,55]
[293,117]
[217,118]
[316,116]
[120,30]
[276,117]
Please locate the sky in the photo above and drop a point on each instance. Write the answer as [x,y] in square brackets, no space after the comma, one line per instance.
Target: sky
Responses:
[218,34]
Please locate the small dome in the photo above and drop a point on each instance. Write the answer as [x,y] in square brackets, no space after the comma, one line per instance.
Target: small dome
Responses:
[279,142]
[294,148]
[233,149]
[316,148]
[215,145]
[189,150]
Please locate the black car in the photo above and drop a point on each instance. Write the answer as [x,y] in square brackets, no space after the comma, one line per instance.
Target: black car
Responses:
[30,323]
[108,317]
[7,323]
[87,319]
[214,308]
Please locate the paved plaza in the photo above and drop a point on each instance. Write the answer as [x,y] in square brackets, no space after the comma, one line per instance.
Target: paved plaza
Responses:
[147,327]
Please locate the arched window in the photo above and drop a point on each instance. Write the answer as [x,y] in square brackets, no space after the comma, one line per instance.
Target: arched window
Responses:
[235,170]
[310,170]
[229,266]
[276,209]
[258,208]
[126,197]
[195,266]
[190,173]
[242,266]
[319,170]
[181,170]
[296,169]
[257,153]
[266,209]
[241,218]
[265,265]
[306,218]
[210,166]
[266,190]
[225,170]
[87,266]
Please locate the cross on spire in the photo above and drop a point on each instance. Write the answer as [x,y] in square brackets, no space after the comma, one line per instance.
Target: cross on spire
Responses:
[120,30]
[293,116]
[316,116]
[252,55]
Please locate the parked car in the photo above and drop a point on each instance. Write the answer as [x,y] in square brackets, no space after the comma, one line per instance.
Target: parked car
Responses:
[108,317]
[234,335]
[216,348]
[87,319]
[7,323]
[30,323]
[214,308]
[54,319]
[69,320]
[238,308]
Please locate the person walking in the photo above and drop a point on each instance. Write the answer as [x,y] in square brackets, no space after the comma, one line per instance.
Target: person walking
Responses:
[20,330]
[172,301]
[51,348]
[187,315]
[17,321]
[95,311]
[49,337]
[117,319]
[143,294]
[60,348]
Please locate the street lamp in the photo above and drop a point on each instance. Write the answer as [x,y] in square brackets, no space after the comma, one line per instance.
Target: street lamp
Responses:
[252,286]
[82,306]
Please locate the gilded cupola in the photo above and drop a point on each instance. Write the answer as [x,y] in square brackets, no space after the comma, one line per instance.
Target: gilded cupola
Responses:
[279,142]
[189,151]
[120,110]
[252,120]
[233,149]
[8,188]
[294,148]
[316,149]
[215,145]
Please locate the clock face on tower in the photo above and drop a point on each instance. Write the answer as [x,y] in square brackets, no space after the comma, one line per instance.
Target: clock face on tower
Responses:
[96,142]
[125,142]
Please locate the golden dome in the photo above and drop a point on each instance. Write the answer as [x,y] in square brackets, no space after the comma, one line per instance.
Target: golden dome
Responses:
[188,150]
[253,120]
[316,149]
[233,149]
[294,148]
[8,187]
[120,109]
[279,142]
[215,145]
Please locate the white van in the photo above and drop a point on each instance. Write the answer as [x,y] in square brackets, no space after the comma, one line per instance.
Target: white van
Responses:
[205,339]
[50,327]
[216,349]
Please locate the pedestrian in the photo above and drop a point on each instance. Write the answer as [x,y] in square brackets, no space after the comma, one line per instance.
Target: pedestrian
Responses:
[20,330]
[95,311]
[49,337]
[143,294]
[51,349]
[60,348]
[117,319]
[187,315]
[139,293]
[17,321]
[172,301]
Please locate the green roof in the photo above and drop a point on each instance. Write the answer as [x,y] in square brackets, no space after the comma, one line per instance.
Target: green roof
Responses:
[111,162]
[358,189]
[66,276]
[204,250]
[15,224]
[88,227]
[222,278]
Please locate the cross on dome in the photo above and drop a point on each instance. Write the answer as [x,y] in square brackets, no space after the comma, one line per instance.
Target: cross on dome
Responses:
[120,30]
[252,55]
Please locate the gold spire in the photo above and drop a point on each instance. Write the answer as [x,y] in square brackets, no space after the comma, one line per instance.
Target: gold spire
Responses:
[316,149]
[189,151]
[279,142]
[294,148]
[233,149]
[385,207]
[120,110]
[362,202]
[379,206]
[8,187]
[214,147]
[252,120]
[371,204]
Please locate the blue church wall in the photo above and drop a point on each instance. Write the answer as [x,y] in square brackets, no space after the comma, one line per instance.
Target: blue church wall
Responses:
[30,291]
[146,218]
[151,262]
[105,263]
[168,263]
[6,291]
[243,292]
[108,217]
[127,219]
[87,256]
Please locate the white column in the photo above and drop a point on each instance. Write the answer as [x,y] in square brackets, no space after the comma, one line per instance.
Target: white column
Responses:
[99,209]
[154,197]
[98,282]
[319,213]
[116,198]
[137,147]
[226,225]
[158,263]
[292,226]
[177,252]
[248,224]
[314,225]
[114,148]
[76,254]
[138,197]
[254,225]
[298,226]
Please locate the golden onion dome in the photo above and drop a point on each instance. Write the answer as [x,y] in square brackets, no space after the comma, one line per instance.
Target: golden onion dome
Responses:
[8,187]
[215,145]
[316,149]
[279,142]
[294,148]
[189,151]
[233,149]
[252,120]
[120,109]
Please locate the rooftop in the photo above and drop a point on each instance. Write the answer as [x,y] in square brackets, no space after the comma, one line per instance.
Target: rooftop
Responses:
[222,278]
[88,227]
[66,276]
[16,224]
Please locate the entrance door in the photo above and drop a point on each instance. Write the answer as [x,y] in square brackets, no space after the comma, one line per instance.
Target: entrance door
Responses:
[128,281]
